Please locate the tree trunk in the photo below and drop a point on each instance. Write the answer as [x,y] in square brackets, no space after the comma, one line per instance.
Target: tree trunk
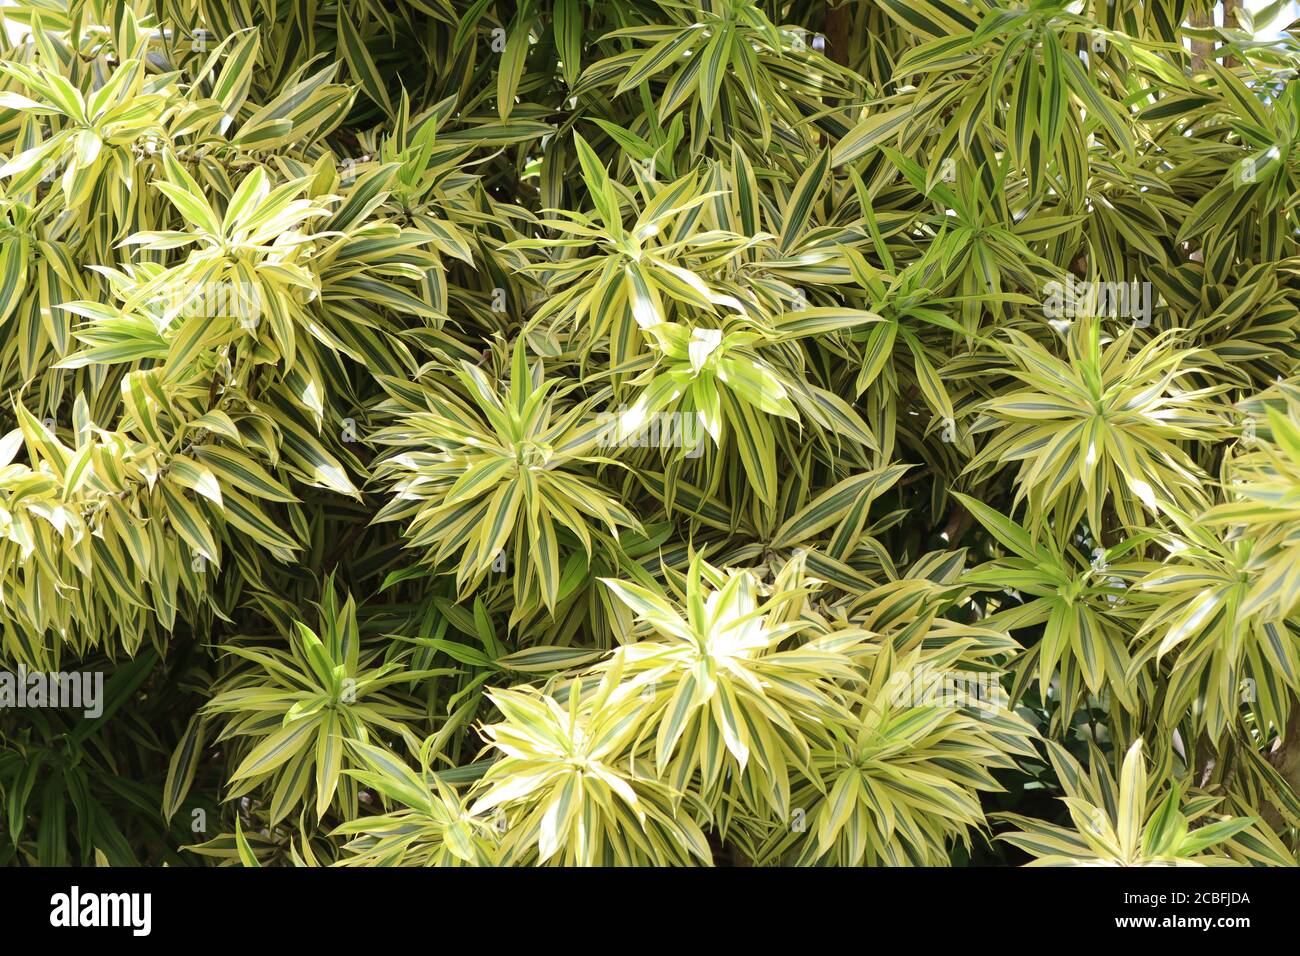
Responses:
[1230,8]
[1202,50]
[837,25]
[1285,759]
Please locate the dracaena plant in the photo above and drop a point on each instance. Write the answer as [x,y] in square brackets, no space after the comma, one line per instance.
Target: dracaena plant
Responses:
[1084,643]
[719,379]
[1102,424]
[635,274]
[1263,500]
[134,515]
[32,265]
[569,791]
[730,708]
[1222,648]
[899,784]
[92,135]
[304,710]
[1016,72]
[499,316]
[250,259]
[1127,822]
[726,58]
[507,471]
[433,827]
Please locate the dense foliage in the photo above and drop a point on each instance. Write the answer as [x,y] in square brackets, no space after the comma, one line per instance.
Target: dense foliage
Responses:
[640,432]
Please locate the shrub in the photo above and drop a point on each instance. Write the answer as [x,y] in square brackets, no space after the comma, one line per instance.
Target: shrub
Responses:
[605,433]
